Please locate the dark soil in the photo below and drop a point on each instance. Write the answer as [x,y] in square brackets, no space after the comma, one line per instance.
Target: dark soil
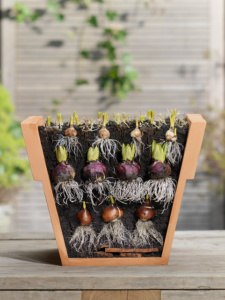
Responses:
[67,213]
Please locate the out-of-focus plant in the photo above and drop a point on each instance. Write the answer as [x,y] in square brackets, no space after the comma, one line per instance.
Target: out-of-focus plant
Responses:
[214,148]
[117,78]
[13,168]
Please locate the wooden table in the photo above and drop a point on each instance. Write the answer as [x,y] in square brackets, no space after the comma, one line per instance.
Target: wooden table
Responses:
[30,269]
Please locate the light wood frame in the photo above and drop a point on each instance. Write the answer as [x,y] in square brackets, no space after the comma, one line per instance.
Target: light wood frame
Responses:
[39,170]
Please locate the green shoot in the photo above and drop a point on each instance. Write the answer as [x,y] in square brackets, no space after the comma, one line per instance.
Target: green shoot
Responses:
[93,154]
[99,117]
[118,118]
[112,200]
[84,205]
[61,154]
[159,151]
[105,119]
[136,122]
[71,120]
[59,120]
[142,118]
[128,152]
[49,121]
[151,116]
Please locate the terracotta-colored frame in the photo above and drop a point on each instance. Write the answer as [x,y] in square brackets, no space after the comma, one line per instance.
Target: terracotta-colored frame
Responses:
[39,170]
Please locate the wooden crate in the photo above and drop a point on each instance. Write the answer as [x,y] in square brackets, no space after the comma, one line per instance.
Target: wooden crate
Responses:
[39,170]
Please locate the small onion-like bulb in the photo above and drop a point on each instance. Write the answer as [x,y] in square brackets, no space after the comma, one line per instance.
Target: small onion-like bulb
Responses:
[71,131]
[146,211]
[171,136]
[84,216]
[136,133]
[104,133]
[112,213]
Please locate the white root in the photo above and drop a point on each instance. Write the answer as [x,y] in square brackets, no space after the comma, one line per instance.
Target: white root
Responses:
[161,190]
[144,235]
[101,191]
[174,152]
[68,191]
[139,146]
[113,234]
[128,191]
[83,240]
[71,143]
[108,147]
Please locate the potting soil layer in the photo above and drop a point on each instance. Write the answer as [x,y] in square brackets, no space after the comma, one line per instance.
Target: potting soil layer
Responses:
[121,133]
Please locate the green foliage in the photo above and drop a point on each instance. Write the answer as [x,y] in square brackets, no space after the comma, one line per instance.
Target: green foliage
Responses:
[85,54]
[12,167]
[23,13]
[110,49]
[81,81]
[118,35]
[93,21]
[214,148]
[117,77]
[111,15]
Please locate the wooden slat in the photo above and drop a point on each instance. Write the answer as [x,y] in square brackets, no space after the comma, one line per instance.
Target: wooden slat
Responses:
[197,262]
[40,295]
[193,295]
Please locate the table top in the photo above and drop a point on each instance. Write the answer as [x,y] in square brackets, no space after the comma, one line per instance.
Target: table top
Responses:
[31,261]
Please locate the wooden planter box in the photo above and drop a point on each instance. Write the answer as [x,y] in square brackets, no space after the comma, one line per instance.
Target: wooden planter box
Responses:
[39,170]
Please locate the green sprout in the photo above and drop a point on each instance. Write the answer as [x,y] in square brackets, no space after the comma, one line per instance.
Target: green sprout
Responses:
[151,116]
[128,152]
[93,154]
[61,154]
[105,119]
[159,151]
[48,121]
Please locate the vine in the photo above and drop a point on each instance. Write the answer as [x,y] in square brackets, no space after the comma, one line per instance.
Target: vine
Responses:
[117,78]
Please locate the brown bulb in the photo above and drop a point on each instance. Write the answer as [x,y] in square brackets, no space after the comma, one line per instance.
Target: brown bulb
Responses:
[84,217]
[104,133]
[136,133]
[71,131]
[112,213]
[146,211]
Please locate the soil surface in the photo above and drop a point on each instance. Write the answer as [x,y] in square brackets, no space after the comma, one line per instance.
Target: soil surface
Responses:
[67,213]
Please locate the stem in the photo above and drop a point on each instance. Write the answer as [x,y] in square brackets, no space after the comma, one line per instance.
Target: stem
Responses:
[49,121]
[105,119]
[136,121]
[71,120]
[59,119]
[112,200]
[84,205]
[99,117]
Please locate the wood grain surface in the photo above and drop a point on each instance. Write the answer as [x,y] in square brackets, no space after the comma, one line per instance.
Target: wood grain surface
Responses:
[197,263]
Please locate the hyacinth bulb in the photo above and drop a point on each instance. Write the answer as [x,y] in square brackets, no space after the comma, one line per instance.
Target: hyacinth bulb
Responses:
[128,170]
[159,170]
[95,171]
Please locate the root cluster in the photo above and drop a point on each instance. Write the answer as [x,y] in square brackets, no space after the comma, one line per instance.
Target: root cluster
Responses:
[174,152]
[97,192]
[71,144]
[83,240]
[139,146]
[108,147]
[128,191]
[68,191]
[162,190]
[144,235]
[114,233]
